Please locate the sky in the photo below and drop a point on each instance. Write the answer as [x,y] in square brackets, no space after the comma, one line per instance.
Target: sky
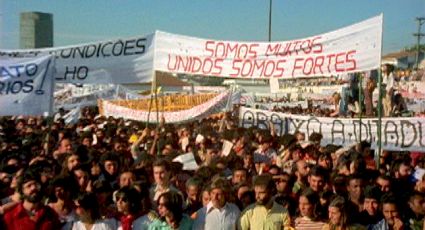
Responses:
[82,21]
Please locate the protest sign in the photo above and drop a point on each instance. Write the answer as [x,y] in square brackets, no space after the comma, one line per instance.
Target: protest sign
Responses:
[351,49]
[115,61]
[26,85]
[214,105]
[400,134]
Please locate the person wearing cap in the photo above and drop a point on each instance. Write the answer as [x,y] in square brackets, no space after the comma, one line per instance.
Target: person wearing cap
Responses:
[265,213]
[371,214]
[219,213]
[30,213]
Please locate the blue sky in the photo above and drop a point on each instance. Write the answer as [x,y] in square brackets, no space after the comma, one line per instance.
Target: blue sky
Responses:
[81,21]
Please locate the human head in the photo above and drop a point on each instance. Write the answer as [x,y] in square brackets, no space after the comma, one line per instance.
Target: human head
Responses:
[110,163]
[338,212]
[87,207]
[161,172]
[355,186]
[193,188]
[372,196]
[264,188]
[283,182]
[128,200]
[219,192]
[384,183]
[309,204]
[239,175]
[29,187]
[317,178]
[170,207]
[390,209]
[416,202]
[127,178]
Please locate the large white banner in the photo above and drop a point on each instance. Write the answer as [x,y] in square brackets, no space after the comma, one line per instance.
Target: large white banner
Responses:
[115,61]
[351,49]
[405,134]
[26,85]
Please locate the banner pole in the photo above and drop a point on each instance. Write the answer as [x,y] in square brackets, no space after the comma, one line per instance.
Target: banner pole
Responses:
[360,106]
[380,102]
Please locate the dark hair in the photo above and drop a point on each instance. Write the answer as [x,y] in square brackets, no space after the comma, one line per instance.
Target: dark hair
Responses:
[162,163]
[314,199]
[27,176]
[88,202]
[266,181]
[319,171]
[372,192]
[173,201]
[132,196]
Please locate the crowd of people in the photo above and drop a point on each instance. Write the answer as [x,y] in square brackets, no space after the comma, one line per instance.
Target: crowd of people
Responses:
[108,173]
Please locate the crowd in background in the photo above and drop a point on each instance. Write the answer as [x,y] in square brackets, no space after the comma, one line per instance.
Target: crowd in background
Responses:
[107,173]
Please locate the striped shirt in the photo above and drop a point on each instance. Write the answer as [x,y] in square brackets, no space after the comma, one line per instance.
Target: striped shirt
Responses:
[306,223]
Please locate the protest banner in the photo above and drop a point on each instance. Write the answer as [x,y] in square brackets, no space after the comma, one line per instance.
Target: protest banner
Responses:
[351,49]
[26,85]
[400,134]
[115,61]
[214,105]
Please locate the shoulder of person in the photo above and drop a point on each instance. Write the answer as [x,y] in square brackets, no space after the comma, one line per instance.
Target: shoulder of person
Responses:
[152,216]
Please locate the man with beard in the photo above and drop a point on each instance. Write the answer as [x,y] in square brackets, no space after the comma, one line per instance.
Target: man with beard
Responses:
[265,213]
[30,214]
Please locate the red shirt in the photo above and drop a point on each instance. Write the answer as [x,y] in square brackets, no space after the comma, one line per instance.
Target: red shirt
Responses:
[18,218]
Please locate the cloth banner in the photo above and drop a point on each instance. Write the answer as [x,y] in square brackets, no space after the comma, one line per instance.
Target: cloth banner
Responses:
[26,85]
[88,95]
[115,61]
[398,134]
[198,112]
[350,49]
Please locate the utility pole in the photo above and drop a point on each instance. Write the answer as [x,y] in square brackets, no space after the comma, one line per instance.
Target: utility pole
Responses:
[420,21]
[270,21]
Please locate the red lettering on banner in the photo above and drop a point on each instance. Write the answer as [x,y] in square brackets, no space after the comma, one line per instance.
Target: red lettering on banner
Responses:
[339,61]
[231,50]
[351,60]
[330,56]
[316,47]
[252,50]
[272,51]
[318,64]
[280,69]
[296,66]
[209,49]
[306,49]
[235,68]
[217,66]
[307,69]
[296,47]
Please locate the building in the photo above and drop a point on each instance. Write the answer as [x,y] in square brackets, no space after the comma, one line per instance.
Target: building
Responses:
[403,59]
[36,30]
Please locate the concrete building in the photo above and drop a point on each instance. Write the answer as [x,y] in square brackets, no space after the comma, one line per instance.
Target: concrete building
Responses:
[36,30]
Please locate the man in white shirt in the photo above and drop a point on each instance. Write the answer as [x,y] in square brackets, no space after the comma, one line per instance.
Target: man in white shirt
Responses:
[218,214]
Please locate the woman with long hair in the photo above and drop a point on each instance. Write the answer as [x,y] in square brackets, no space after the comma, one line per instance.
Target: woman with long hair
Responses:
[87,209]
[339,216]
[170,210]
[309,216]
[131,213]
